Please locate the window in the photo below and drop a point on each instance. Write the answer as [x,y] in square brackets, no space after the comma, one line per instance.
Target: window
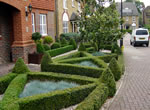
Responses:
[133,19]
[65,4]
[33,23]
[127,18]
[79,7]
[43,24]
[65,23]
[141,32]
[73,3]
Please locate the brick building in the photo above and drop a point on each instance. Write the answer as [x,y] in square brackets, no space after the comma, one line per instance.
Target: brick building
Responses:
[146,15]
[18,22]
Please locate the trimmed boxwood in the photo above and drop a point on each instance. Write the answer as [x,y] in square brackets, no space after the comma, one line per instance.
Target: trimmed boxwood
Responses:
[74,69]
[56,100]
[107,58]
[95,100]
[5,81]
[90,50]
[61,50]
[106,47]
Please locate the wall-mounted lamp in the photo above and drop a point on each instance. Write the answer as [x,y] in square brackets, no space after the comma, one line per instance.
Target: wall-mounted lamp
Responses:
[28,8]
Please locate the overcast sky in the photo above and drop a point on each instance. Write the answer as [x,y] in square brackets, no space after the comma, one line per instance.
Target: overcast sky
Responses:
[146,2]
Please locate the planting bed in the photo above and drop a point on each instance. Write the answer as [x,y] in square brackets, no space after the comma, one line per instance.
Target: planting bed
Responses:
[87,63]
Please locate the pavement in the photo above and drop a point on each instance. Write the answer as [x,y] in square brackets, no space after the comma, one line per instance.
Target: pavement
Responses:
[134,94]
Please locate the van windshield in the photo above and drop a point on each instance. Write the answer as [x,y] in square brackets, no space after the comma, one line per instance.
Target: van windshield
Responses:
[141,32]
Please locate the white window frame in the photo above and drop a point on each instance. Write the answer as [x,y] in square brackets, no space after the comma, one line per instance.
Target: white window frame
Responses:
[65,26]
[65,4]
[133,19]
[73,4]
[127,18]
[43,25]
[33,22]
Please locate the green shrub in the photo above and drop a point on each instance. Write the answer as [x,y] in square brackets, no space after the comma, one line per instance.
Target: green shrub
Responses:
[95,99]
[108,79]
[72,42]
[36,36]
[116,49]
[58,40]
[46,59]
[81,47]
[46,47]
[98,54]
[74,69]
[61,50]
[48,40]
[64,42]
[40,48]
[87,45]
[56,100]
[107,58]
[5,80]
[115,69]
[95,46]
[55,45]
[106,47]
[20,67]
[90,50]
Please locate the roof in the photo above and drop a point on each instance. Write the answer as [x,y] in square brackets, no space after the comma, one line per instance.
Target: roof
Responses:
[74,17]
[129,9]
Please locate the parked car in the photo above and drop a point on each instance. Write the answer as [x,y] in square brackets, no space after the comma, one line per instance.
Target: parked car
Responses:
[140,36]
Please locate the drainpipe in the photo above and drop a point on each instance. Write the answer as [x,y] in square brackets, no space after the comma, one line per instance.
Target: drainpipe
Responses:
[56,17]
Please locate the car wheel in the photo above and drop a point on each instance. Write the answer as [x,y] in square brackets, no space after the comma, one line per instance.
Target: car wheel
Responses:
[134,44]
[130,42]
[147,44]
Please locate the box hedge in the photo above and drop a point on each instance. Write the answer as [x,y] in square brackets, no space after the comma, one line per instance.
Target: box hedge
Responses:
[61,50]
[5,81]
[107,58]
[74,69]
[90,49]
[95,99]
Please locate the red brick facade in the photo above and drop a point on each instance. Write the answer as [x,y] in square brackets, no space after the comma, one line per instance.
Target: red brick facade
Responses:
[18,36]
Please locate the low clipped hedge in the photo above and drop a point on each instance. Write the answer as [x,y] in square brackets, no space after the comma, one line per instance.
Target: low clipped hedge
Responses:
[106,47]
[90,50]
[61,50]
[74,69]
[56,100]
[95,99]
[107,58]
[5,81]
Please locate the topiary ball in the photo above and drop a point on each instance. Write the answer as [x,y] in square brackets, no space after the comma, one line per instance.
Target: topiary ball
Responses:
[46,59]
[108,79]
[48,40]
[115,69]
[20,67]
[46,47]
[64,42]
[36,36]
[82,47]
[72,42]
[40,48]
[55,45]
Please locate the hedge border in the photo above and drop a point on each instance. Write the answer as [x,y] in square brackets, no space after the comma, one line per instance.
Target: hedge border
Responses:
[107,58]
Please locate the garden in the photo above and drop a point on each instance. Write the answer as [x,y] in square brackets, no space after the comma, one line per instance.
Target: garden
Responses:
[85,78]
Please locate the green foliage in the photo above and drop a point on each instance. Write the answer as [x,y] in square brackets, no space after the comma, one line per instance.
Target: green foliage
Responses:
[64,42]
[20,67]
[74,69]
[90,50]
[87,63]
[46,47]
[106,47]
[116,49]
[5,81]
[98,54]
[72,42]
[95,46]
[115,69]
[87,45]
[55,45]
[81,47]
[95,99]
[40,48]
[48,40]
[107,58]
[108,79]
[61,50]
[56,100]
[46,59]
[36,36]
[58,40]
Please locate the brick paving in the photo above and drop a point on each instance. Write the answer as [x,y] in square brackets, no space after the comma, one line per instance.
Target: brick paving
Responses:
[135,90]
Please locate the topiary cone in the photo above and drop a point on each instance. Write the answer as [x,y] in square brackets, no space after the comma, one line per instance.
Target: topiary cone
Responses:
[20,67]
[108,79]
[81,47]
[46,59]
[115,69]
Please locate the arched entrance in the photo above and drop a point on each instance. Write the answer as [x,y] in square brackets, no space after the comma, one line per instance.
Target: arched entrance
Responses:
[6,31]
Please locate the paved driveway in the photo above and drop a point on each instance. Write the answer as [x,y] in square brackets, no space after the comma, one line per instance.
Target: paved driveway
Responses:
[135,91]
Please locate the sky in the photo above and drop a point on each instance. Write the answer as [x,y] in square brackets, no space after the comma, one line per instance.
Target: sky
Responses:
[146,2]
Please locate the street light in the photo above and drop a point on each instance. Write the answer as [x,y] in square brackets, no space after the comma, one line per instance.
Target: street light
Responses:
[121,40]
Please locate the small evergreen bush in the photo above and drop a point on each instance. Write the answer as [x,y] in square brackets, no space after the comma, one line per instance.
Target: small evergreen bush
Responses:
[36,36]
[64,42]
[46,59]
[95,46]
[55,45]
[116,49]
[82,47]
[115,69]
[72,42]
[108,79]
[48,40]
[20,67]
[40,48]
[46,47]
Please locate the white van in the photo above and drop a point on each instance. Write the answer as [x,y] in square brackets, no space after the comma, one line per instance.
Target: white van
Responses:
[140,36]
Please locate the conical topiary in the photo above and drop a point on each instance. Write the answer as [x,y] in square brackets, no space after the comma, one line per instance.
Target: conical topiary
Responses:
[46,59]
[72,42]
[82,47]
[115,69]
[20,67]
[108,79]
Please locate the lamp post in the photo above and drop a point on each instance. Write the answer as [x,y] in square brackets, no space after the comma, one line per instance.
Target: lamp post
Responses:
[121,40]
